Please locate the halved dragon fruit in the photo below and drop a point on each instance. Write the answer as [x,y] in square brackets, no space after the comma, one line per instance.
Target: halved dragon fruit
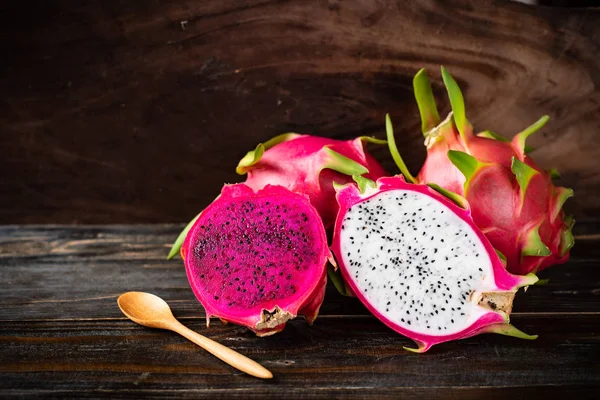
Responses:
[513,200]
[257,258]
[309,165]
[419,264]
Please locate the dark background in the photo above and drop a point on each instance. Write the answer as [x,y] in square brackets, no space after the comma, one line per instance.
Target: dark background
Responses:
[123,111]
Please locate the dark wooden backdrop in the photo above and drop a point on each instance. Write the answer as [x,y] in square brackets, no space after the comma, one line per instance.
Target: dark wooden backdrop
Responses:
[138,110]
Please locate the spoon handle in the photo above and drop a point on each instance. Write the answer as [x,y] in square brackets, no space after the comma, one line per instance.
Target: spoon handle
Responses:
[226,354]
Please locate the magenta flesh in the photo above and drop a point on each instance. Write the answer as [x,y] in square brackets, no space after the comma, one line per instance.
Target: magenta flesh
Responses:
[257,259]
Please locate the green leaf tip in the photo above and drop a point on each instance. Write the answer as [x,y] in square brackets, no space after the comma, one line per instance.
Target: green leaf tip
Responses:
[554,174]
[466,163]
[520,138]
[454,197]
[371,139]
[254,156]
[417,350]
[492,135]
[389,129]
[502,257]
[524,173]
[284,137]
[363,183]
[528,280]
[562,195]
[338,186]
[251,158]
[457,102]
[425,101]
[533,244]
[335,276]
[342,164]
[179,241]
[566,238]
[510,330]
[421,348]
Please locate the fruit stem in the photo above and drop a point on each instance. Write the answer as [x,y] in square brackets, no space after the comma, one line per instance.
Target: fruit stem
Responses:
[270,319]
[497,301]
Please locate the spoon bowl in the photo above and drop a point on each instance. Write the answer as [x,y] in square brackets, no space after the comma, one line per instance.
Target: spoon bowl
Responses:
[145,309]
[149,310]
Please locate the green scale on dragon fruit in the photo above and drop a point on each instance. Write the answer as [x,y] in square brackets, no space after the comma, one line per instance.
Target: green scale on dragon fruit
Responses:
[417,261]
[513,200]
[257,258]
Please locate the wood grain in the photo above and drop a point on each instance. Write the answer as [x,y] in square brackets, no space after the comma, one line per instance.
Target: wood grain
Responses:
[137,111]
[64,272]
[63,336]
[350,353]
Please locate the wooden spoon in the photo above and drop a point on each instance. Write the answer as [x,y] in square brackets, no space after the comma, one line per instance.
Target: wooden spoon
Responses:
[149,310]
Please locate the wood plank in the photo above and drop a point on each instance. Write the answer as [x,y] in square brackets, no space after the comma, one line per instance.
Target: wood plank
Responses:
[138,111]
[359,392]
[67,272]
[335,356]
[62,335]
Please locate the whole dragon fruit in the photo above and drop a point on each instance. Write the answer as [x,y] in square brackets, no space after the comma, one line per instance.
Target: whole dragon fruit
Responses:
[513,200]
[309,165]
[257,258]
[419,264]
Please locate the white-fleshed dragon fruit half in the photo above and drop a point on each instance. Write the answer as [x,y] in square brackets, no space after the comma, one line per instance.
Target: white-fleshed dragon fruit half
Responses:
[418,262]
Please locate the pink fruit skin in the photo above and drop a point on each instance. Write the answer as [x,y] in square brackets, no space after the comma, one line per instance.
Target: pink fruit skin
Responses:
[494,196]
[350,195]
[297,164]
[237,246]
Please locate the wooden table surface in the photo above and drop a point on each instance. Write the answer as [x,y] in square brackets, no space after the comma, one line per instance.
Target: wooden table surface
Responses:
[63,336]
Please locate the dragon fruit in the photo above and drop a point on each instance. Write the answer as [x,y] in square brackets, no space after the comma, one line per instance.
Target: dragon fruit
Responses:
[309,165]
[257,258]
[420,265]
[513,200]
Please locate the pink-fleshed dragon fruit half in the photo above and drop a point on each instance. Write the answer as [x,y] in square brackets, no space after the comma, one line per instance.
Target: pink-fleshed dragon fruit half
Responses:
[418,262]
[309,165]
[513,200]
[257,258]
